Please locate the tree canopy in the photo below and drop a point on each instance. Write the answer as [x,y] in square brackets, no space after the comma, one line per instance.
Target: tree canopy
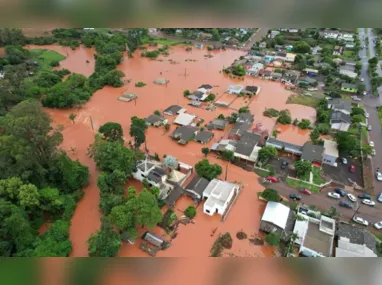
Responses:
[267,152]
[207,170]
[112,131]
[303,167]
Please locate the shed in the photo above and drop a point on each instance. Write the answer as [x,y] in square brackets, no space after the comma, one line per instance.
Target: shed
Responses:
[153,239]
[161,81]
[127,97]
[173,110]
[184,119]
[203,136]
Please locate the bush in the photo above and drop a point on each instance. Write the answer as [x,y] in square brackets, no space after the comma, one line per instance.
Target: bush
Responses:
[304,124]
[140,84]
[210,97]
[244,110]
[190,212]
[55,63]
[273,239]
[284,117]
[271,195]
[186,93]
[271,113]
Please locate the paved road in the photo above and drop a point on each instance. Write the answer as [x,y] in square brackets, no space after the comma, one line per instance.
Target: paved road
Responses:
[371,102]
[323,202]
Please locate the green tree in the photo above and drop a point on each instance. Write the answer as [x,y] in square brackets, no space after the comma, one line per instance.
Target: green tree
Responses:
[300,62]
[210,97]
[301,47]
[315,135]
[190,212]
[332,212]
[267,152]
[170,162]
[215,34]
[233,118]
[244,110]
[238,70]
[271,195]
[72,117]
[167,127]
[137,131]
[209,171]
[347,143]
[228,155]
[284,117]
[16,54]
[29,197]
[112,182]
[112,131]
[357,118]
[221,116]
[157,112]
[357,111]
[304,124]
[205,151]
[303,167]
[51,200]
[367,149]
[273,239]
[105,242]
[186,93]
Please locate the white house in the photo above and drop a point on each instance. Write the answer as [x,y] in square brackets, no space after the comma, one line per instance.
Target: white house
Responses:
[330,153]
[290,57]
[293,30]
[1,74]
[235,89]
[340,121]
[349,73]
[254,70]
[219,195]
[184,119]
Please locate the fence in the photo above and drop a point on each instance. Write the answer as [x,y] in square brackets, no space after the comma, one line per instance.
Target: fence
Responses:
[306,182]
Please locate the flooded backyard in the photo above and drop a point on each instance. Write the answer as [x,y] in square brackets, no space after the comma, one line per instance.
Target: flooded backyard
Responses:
[193,240]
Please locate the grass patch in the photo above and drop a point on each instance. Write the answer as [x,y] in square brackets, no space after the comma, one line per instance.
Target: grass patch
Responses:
[45,58]
[317,179]
[261,172]
[162,41]
[349,54]
[140,84]
[300,185]
[304,100]
[380,115]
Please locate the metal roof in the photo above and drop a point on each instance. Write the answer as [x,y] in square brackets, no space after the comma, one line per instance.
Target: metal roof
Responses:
[184,119]
[276,213]
[312,152]
[331,148]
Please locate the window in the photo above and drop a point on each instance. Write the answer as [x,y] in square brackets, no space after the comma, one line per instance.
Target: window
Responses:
[208,211]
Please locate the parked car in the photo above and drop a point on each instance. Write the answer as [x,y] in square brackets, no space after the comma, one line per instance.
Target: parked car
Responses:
[360,221]
[371,143]
[369,127]
[306,191]
[284,164]
[272,179]
[352,168]
[364,93]
[351,197]
[334,195]
[378,176]
[355,98]
[345,204]
[368,202]
[367,115]
[295,197]
[373,152]
[343,160]
[340,191]
[379,198]
[378,225]
[364,196]
[362,80]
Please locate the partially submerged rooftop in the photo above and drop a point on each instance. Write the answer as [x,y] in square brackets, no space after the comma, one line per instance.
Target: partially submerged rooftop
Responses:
[174,109]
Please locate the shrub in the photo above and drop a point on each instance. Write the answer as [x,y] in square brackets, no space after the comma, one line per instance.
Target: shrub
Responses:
[273,239]
[271,113]
[304,124]
[284,117]
[190,212]
[210,97]
[140,84]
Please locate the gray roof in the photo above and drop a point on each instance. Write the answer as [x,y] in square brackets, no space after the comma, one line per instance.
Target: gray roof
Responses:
[153,239]
[152,119]
[185,133]
[357,235]
[204,136]
[312,152]
[349,85]
[240,128]
[206,86]
[280,143]
[195,103]
[173,109]
[156,174]
[340,104]
[308,79]
[197,94]
[198,184]
[217,124]
[174,195]
[247,143]
[246,117]
[252,89]
[276,74]
[339,117]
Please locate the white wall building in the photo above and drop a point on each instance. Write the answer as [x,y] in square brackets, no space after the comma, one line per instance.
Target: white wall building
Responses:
[330,153]
[235,89]
[219,194]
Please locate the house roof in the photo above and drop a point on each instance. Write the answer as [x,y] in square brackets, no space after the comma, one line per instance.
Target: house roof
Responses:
[308,79]
[339,117]
[235,87]
[205,86]
[246,118]
[252,89]
[153,239]
[276,74]
[185,133]
[312,152]
[281,54]
[156,174]
[174,195]
[247,143]
[331,148]
[198,94]
[152,119]
[317,240]
[217,124]
[218,192]
[348,85]
[195,103]
[204,136]
[348,249]
[357,235]
[340,104]
[240,128]
[276,213]
[280,143]
[160,81]
[198,185]
[173,109]
[184,119]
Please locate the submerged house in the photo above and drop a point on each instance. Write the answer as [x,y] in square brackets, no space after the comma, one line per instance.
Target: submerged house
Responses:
[155,120]
[184,134]
[174,110]
[196,188]
[217,124]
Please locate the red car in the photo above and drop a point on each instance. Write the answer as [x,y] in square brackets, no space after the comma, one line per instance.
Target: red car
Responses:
[306,191]
[272,179]
[352,168]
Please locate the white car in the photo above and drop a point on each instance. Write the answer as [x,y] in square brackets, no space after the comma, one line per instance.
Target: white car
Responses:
[373,152]
[355,98]
[371,143]
[378,225]
[378,176]
[364,93]
[368,202]
[360,221]
[351,197]
[367,115]
[334,195]
[362,80]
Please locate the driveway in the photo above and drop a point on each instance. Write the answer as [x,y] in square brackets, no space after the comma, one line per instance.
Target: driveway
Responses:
[276,163]
[341,172]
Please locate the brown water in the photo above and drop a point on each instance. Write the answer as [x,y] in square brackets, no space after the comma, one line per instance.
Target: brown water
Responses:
[193,240]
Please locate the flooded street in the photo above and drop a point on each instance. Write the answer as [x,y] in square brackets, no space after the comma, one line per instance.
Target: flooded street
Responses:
[193,240]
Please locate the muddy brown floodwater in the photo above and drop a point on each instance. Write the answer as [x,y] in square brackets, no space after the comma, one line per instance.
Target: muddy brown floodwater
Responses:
[193,240]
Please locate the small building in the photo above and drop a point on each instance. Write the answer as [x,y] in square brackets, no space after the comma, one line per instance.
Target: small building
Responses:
[206,87]
[254,70]
[155,120]
[174,110]
[338,104]
[184,119]
[1,74]
[285,146]
[290,76]
[235,89]
[246,148]
[350,73]
[253,90]
[196,188]
[197,96]
[153,239]
[161,81]
[265,73]
[219,194]
[217,124]
[330,153]
[238,130]
[354,242]
[316,50]
[224,145]
[262,45]
[204,137]
[277,218]
[313,153]
[315,236]
[127,97]
[184,134]
[197,104]
[340,121]
[311,71]
[306,81]
[290,57]
[276,76]
[348,87]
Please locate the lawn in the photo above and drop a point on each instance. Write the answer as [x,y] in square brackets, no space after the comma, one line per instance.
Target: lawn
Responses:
[300,185]
[45,58]
[262,173]
[162,41]
[349,54]
[317,179]
[304,100]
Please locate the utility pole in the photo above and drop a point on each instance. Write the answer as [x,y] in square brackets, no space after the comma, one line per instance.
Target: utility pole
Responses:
[91,121]
[226,172]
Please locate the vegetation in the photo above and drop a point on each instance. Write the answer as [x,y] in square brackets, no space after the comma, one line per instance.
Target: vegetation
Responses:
[244,110]
[304,124]
[267,152]
[238,70]
[317,179]
[140,84]
[222,242]
[205,151]
[112,131]
[271,113]
[273,239]
[303,167]
[190,212]
[298,184]
[347,143]
[270,195]
[309,101]
[228,155]
[186,93]
[209,171]
[284,117]
[137,131]
[211,97]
